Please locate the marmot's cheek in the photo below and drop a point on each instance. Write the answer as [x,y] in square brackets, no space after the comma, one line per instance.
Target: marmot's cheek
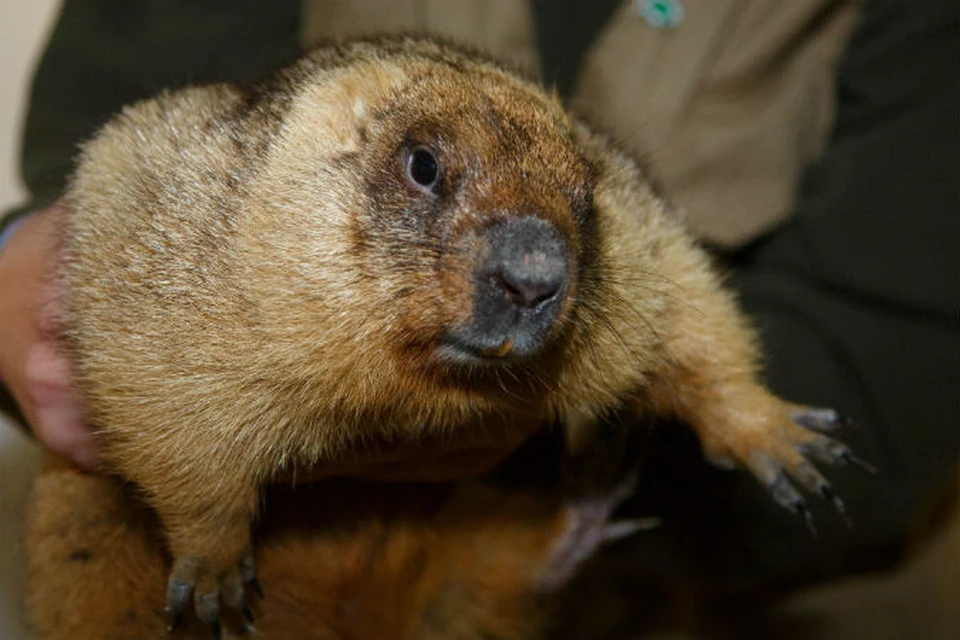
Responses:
[418,308]
[520,281]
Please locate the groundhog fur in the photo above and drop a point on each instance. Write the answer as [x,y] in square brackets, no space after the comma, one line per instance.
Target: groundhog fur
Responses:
[472,560]
[392,246]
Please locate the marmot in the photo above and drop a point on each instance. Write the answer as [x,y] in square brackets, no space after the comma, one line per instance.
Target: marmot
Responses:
[391,243]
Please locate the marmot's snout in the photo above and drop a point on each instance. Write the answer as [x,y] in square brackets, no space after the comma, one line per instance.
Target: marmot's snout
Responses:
[528,264]
[520,280]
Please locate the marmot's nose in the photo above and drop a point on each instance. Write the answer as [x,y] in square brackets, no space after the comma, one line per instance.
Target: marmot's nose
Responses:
[521,284]
[529,271]
[521,278]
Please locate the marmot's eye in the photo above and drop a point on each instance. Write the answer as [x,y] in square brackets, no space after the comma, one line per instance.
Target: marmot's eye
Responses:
[423,168]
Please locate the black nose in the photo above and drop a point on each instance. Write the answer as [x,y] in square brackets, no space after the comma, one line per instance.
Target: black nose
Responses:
[520,283]
[529,277]
[526,288]
[528,261]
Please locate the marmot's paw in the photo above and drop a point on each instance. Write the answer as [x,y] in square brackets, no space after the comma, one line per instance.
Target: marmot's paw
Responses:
[588,527]
[208,589]
[777,451]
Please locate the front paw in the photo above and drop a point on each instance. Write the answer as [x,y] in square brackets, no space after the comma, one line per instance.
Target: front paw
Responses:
[774,441]
[212,585]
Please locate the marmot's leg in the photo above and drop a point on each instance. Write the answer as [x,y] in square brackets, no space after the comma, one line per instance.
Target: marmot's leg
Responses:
[211,546]
[712,382]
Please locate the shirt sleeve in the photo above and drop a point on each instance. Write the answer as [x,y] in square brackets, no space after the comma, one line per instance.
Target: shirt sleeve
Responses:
[104,54]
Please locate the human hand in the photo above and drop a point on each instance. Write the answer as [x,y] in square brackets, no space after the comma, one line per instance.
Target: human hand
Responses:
[31,366]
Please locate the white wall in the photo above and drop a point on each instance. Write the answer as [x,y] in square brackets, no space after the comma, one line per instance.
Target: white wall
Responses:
[23,31]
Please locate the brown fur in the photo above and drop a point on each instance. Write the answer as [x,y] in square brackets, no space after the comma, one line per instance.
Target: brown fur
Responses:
[252,290]
[346,561]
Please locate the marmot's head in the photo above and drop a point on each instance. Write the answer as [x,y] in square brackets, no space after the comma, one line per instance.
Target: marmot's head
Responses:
[421,211]
[478,183]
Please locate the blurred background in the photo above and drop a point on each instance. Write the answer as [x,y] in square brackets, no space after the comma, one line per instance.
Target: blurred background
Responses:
[23,32]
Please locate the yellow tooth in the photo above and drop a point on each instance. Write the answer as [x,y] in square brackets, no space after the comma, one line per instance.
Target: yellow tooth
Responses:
[505,347]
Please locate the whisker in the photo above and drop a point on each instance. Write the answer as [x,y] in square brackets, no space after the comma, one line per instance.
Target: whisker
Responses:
[679,299]
[603,319]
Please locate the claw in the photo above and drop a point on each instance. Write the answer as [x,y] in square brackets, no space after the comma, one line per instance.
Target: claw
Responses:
[783,492]
[179,593]
[827,450]
[800,507]
[827,492]
[208,609]
[786,495]
[808,476]
[848,458]
[173,619]
[821,419]
[621,529]
[247,619]
[254,584]
[248,573]
[623,490]
[816,483]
